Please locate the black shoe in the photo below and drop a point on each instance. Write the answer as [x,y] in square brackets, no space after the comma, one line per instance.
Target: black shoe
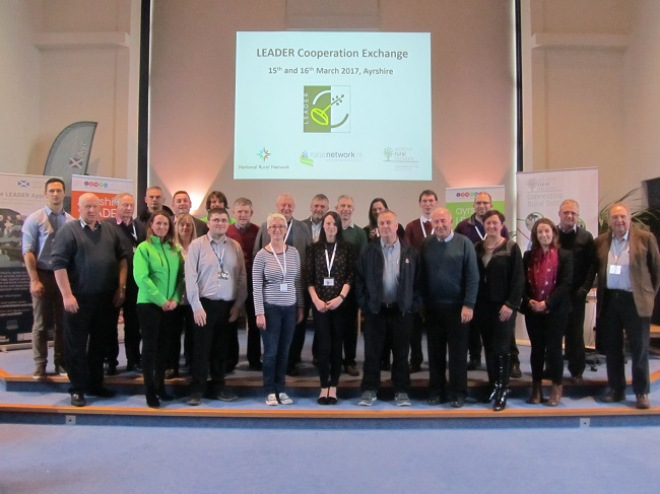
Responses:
[322,400]
[152,400]
[613,396]
[164,395]
[222,395]
[351,369]
[101,392]
[473,364]
[111,369]
[195,399]
[171,373]
[515,371]
[458,402]
[131,367]
[78,400]
[434,400]
[292,371]
[412,368]
[257,366]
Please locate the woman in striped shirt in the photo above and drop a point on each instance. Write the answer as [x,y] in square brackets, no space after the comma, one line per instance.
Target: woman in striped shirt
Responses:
[278,304]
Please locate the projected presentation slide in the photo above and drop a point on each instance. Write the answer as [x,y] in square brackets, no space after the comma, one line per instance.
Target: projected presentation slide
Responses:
[333,106]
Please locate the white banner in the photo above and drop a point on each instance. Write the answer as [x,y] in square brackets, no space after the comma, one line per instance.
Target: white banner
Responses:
[541,193]
[20,195]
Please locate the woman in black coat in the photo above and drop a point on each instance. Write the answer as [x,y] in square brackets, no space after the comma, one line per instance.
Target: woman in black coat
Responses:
[501,283]
[546,304]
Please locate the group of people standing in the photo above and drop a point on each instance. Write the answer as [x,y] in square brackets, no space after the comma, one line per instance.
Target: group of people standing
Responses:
[173,274]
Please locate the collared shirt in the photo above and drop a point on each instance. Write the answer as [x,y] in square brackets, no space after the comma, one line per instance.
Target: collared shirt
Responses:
[204,273]
[392,254]
[38,235]
[316,229]
[447,238]
[618,258]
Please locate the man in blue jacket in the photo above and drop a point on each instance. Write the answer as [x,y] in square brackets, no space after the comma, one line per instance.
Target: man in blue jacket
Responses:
[388,293]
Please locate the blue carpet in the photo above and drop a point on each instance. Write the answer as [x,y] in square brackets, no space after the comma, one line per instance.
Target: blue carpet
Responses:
[67,459]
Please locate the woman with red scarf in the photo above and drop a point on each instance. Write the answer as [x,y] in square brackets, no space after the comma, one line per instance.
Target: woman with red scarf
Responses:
[546,303]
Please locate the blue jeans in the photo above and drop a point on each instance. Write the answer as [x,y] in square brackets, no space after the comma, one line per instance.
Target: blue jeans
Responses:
[280,325]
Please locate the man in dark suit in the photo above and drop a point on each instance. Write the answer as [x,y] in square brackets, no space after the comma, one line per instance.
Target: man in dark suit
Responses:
[580,243]
[181,204]
[628,264]
[298,235]
[131,232]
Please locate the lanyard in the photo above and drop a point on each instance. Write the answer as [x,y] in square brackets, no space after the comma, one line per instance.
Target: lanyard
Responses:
[221,258]
[482,237]
[330,262]
[283,269]
[134,234]
[421,223]
[288,230]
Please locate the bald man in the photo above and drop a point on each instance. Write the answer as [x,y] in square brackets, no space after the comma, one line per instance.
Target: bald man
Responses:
[90,269]
[450,281]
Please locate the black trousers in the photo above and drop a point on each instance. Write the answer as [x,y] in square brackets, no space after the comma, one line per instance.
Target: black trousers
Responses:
[183,322]
[388,322]
[350,332]
[298,341]
[574,338]
[86,334]
[446,334]
[495,334]
[474,341]
[619,313]
[545,335]
[210,346]
[156,326]
[329,328]
[253,337]
[131,329]
[416,354]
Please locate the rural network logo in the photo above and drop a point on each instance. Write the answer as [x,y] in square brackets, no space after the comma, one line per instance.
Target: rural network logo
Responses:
[399,154]
[326,109]
[305,159]
[465,194]
[263,154]
[96,185]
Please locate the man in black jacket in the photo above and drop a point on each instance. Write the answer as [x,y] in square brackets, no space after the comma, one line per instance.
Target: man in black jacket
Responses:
[580,243]
[388,293]
[131,233]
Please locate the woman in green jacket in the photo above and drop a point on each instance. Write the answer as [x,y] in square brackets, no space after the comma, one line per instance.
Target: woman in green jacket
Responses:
[158,272]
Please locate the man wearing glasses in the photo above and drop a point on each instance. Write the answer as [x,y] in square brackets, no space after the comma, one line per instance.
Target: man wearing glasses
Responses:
[216,285]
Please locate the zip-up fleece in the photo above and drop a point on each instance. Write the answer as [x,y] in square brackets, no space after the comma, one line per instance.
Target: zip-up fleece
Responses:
[158,272]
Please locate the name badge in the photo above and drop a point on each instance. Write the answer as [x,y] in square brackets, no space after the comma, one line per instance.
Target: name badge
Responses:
[223,275]
[284,287]
[614,269]
[328,282]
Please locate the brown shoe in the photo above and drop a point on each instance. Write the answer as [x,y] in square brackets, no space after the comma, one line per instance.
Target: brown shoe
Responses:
[643,402]
[537,393]
[555,395]
[613,396]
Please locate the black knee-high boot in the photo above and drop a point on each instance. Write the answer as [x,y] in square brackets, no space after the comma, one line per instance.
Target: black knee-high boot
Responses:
[502,370]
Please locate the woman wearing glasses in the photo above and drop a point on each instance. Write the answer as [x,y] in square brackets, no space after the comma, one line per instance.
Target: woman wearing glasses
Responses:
[278,304]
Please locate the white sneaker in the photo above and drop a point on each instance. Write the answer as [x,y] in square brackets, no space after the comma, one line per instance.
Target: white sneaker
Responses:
[271,400]
[285,400]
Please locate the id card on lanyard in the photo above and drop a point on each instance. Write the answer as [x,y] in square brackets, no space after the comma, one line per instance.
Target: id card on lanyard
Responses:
[283,285]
